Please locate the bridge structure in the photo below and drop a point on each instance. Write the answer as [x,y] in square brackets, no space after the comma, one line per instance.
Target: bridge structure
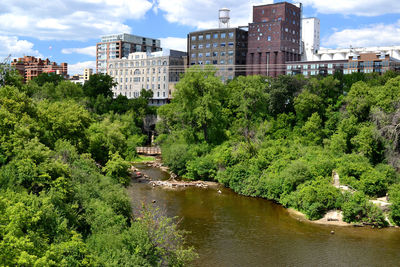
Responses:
[149,150]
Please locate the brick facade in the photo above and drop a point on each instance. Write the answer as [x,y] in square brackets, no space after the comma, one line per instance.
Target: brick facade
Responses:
[30,67]
[274,38]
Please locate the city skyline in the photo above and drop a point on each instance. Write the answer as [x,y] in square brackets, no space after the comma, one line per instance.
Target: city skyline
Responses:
[68,31]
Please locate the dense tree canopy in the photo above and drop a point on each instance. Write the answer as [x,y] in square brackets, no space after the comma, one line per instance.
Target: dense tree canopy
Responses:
[281,138]
[62,172]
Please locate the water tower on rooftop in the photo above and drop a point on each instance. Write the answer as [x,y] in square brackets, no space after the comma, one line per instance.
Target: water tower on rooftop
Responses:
[224,17]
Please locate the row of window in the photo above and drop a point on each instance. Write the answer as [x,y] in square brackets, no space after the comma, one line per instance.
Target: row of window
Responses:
[312,66]
[207,36]
[214,45]
[134,94]
[137,79]
[137,71]
[213,54]
[308,73]
[214,62]
[138,64]
[148,87]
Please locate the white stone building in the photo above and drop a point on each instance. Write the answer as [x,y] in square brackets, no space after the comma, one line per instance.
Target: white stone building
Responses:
[157,71]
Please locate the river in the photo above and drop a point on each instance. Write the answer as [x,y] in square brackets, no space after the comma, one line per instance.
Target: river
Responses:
[231,230]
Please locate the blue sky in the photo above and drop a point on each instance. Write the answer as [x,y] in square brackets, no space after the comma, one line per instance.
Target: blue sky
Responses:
[67,30]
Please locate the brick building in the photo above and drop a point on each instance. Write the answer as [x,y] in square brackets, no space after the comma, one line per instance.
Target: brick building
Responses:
[274,38]
[30,67]
[224,48]
[121,45]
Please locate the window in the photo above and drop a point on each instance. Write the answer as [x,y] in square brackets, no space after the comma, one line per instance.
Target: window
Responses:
[215,62]
[193,46]
[230,52]
[305,73]
[215,36]
[215,54]
[200,46]
[200,37]
[207,62]
[200,55]
[269,38]
[208,54]
[305,67]
[208,45]
[193,55]
[222,62]
[193,38]
[223,44]
[223,35]
[208,36]
[215,44]
[223,53]
[230,44]
[230,35]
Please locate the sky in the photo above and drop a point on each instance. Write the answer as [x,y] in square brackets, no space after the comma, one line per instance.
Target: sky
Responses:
[68,30]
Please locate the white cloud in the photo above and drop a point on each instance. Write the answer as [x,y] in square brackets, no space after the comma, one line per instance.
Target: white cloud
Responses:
[371,35]
[17,48]
[90,51]
[69,20]
[355,7]
[204,13]
[78,68]
[175,43]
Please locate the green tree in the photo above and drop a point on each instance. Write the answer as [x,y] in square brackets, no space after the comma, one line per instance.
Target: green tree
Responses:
[99,84]
[51,77]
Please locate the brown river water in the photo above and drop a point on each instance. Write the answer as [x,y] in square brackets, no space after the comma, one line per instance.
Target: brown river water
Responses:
[231,230]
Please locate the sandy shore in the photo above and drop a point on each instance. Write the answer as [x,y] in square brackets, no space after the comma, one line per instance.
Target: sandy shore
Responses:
[331,218]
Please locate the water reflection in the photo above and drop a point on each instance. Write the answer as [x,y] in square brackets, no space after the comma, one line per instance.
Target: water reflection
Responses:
[232,230]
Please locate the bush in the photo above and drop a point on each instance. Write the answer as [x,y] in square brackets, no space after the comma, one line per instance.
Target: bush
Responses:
[315,198]
[357,208]
[117,169]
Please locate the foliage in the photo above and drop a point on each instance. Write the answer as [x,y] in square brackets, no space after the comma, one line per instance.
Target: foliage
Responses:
[357,208]
[281,138]
[99,84]
[315,198]
[56,207]
[117,168]
[51,77]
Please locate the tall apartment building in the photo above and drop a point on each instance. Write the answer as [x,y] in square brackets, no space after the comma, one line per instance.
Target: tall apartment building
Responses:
[225,48]
[310,35]
[274,38]
[121,45]
[157,71]
[30,67]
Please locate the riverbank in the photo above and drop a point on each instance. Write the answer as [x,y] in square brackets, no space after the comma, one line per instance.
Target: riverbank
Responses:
[333,217]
